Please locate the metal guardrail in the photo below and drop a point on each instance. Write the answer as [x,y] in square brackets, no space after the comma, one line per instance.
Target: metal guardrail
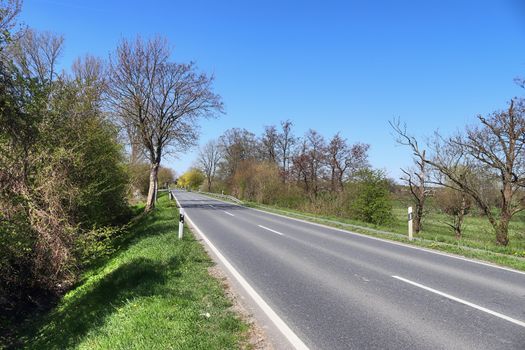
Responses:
[223,196]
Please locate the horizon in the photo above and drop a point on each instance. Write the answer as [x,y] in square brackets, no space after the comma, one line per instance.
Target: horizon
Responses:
[435,65]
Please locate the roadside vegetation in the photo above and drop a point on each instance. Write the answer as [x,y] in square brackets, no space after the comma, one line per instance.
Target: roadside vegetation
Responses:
[80,146]
[467,189]
[74,155]
[153,292]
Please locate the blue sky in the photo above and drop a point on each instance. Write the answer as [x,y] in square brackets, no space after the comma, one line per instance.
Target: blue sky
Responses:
[348,66]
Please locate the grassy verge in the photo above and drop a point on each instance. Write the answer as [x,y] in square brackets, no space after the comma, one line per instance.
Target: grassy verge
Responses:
[154,293]
[477,242]
[472,249]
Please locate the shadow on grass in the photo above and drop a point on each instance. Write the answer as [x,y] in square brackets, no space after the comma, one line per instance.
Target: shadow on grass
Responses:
[90,304]
[66,326]
[143,226]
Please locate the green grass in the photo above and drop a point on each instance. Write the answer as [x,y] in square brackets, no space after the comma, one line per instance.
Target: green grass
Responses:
[154,293]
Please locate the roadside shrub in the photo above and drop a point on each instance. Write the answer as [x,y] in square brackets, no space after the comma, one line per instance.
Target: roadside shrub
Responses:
[258,181]
[97,243]
[61,173]
[372,202]
[191,179]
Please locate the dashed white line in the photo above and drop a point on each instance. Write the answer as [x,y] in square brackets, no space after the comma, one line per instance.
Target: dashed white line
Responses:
[228,213]
[464,302]
[269,229]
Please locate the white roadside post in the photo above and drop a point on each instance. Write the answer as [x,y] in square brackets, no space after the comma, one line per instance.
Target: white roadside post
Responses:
[410,223]
[181,222]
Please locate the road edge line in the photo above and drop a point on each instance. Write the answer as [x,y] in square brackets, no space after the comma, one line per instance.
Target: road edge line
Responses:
[294,340]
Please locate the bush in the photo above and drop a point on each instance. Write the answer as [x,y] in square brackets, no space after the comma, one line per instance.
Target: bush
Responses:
[257,181]
[61,173]
[191,179]
[372,198]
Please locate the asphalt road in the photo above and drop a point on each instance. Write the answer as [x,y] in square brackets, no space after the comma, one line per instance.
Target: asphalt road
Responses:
[338,290]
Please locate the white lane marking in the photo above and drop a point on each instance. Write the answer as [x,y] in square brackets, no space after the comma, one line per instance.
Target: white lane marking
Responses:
[475,306]
[211,206]
[228,213]
[269,229]
[379,239]
[296,342]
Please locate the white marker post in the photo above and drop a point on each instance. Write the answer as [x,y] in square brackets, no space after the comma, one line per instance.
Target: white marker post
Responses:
[410,223]
[181,222]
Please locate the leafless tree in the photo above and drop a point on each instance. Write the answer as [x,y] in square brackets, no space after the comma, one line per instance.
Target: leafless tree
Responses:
[310,161]
[416,177]
[236,145]
[496,148]
[209,157]
[494,154]
[301,166]
[160,100]
[36,54]
[317,147]
[269,141]
[89,76]
[455,204]
[344,160]
[285,143]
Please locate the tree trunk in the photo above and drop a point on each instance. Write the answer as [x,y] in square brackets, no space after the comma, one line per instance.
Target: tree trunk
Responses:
[332,180]
[458,224]
[502,230]
[153,179]
[418,217]
[460,216]
[209,184]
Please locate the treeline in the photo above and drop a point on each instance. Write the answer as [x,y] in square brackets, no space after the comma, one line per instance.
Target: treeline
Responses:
[478,169]
[309,173]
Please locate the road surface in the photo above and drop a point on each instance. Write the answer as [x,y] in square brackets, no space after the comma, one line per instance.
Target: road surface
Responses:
[333,289]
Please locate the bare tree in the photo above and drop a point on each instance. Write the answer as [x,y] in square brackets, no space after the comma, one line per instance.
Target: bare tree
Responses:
[209,157]
[494,154]
[236,145]
[285,143]
[497,149]
[455,204]
[301,167]
[36,54]
[160,100]
[309,162]
[269,141]
[317,148]
[416,177]
[89,76]
[344,160]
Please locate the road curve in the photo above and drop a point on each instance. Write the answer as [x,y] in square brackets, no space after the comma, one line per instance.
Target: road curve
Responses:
[339,290]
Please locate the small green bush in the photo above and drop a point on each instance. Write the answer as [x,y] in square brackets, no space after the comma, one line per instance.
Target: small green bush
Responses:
[372,202]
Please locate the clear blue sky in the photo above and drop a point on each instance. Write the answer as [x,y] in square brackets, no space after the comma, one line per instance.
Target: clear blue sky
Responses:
[346,66]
